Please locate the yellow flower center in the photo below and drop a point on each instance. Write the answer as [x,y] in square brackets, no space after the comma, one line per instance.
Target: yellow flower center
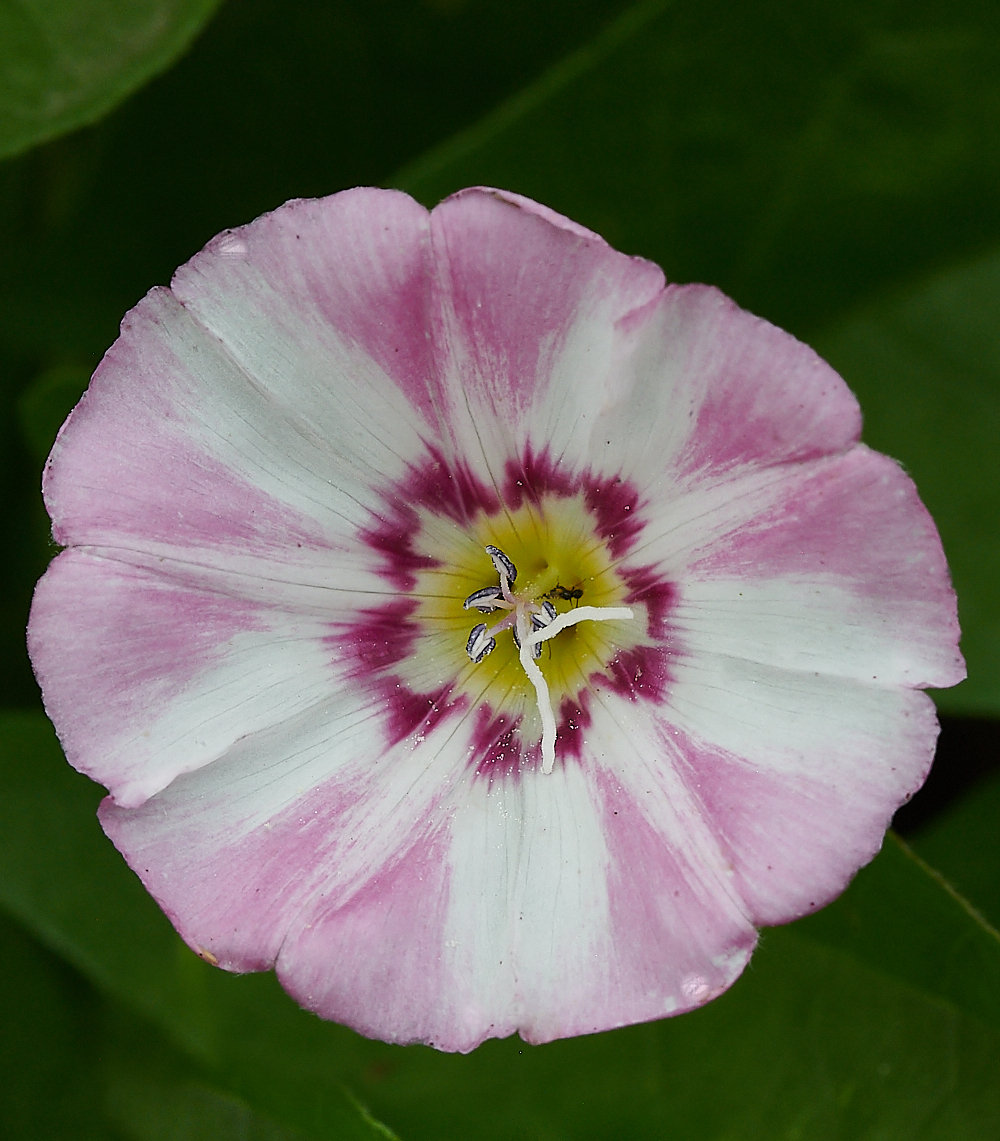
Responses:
[563,569]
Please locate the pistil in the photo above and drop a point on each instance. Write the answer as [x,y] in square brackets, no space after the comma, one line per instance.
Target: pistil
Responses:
[531,622]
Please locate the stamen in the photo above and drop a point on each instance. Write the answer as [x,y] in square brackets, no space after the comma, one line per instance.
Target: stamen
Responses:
[539,622]
[503,624]
[483,600]
[529,641]
[551,614]
[480,643]
[503,565]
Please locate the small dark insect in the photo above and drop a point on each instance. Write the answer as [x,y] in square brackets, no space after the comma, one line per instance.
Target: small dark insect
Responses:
[565,593]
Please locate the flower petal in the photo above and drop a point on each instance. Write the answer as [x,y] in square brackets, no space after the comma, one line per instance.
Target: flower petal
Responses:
[702,388]
[549,929]
[292,820]
[148,679]
[329,305]
[800,773]
[509,888]
[529,303]
[834,567]
[817,624]
[416,901]
[199,458]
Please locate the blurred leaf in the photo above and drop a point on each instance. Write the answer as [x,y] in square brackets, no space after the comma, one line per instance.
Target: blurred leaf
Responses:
[875,1019]
[153,1093]
[155,1111]
[50,1083]
[46,403]
[899,917]
[964,846]
[27,548]
[278,99]
[76,1066]
[61,877]
[925,365]
[797,158]
[65,63]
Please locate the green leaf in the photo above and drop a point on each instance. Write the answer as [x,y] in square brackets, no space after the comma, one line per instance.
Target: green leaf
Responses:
[65,63]
[78,1066]
[876,1019]
[153,1093]
[964,846]
[798,160]
[901,918]
[46,403]
[50,1081]
[61,877]
[152,1110]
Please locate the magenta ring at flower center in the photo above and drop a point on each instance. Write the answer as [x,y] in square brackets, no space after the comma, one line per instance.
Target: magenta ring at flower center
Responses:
[386,635]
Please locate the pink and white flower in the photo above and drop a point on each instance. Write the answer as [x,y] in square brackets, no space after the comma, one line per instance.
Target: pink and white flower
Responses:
[297,479]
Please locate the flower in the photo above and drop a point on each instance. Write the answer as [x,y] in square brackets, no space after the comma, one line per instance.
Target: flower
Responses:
[473,628]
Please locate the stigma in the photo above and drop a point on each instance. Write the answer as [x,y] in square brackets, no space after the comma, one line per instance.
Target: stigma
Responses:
[531,621]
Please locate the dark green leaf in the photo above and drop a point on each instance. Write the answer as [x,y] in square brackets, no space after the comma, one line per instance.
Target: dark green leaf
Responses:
[50,1086]
[899,917]
[153,1093]
[964,846]
[26,530]
[798,160]
[77,1066]
[151,1110]
[46,404]
[874,1020]
[65,63]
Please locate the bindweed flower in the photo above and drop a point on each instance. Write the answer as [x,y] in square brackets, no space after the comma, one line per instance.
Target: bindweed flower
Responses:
[476,630]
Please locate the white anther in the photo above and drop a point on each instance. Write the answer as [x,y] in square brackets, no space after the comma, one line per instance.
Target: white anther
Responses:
[548,614]
[504,567]
[483,600]
[480,643]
